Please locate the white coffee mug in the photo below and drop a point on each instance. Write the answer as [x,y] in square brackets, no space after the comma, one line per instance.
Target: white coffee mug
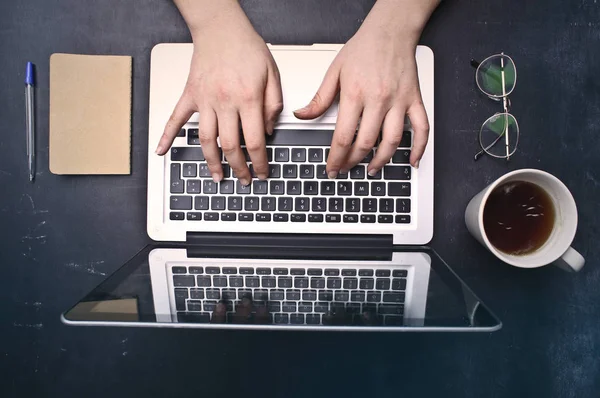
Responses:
[557,249]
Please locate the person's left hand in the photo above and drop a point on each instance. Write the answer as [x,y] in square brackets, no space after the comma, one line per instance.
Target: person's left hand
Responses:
[376,74]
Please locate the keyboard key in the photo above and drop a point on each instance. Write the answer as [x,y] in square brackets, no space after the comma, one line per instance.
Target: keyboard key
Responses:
[252,281]
[322,172]
[391,309]
[398,284]
[244,293]
[344,188]
[393,297]
[209,186]
[325,295]
[334,283]
[401,273]
[382,284]
[268,281]
[309,295]
[228,294]
[193,186]
[357,296]
[342,295]
[219,281]
[361,188]
[269,154]
[315,155]
[260,187]
[263,271]
[242,189]
[369,205]
[282,154]
[277,188]
[365,272]
[261,295]
[311,188]
[180,296]
[194,216]
[321,306]
[307,171]
[378,188]
[201,203]
[348,272]
[327,188]
[246,270]
[353,205]
[251,203]
[300,282]
[180,203]
[176,181]
[236,281]
[305,306]
[386,205]
[298,217]
[184,280]
[181,133]
[385,219]
[350,283]
[292,294]
[290,171]
[193,138]
[280,271]
[294,187]
[267,204]
[406,138]
[284,281]
[230,271]
[284,204]
[319,204]
[297,271]
[351,218]
[336,205]
[298,155]
[367,218]
[314,271]
[213,270]
[396,172]
[246,217]
[315,218]
[274,306]
[367,159]
[382,272]
[394,320]
[203,281]
[332,272]
[317,282]
[288,306]
[277,294]
[280,217]
[180,154]
[281,319]
[209,305]
[302,204]
[196,270]
[333,218]
[226,170]
[353,308]
[228,217]
[401,156]
[403,219]
[357,172]
[234,203]
[367,283]
[373,297]
[399,189]
[217,203]
[176,215]
[189,169]
[197,294]
[402,205]
[313,319]
[204,171]
[274,171]
[342,176]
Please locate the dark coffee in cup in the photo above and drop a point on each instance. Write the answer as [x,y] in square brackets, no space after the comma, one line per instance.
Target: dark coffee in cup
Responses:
[518,217]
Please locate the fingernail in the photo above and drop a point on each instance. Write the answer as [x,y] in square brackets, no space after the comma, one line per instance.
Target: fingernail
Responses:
[216,177]
[301,110]
[244,182]
[332,174]
[262,176]
[159,150]
[417,164]
[372,172]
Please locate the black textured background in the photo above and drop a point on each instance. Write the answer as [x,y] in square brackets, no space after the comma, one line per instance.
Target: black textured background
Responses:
[60,236]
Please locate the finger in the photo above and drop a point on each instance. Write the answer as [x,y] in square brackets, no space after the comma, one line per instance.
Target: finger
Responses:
[243,311]
[262,315]
[207,132]
[393,125]
[229,134]
[420,125]
[253,126]
[219,314]
[343,135]
[181,114]
[324,96]
[368,132]
[273,102]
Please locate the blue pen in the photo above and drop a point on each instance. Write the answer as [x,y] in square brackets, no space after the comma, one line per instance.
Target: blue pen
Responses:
[30,119]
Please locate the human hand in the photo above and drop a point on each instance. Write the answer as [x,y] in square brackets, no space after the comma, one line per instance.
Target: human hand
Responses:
[232,78]
[376,74]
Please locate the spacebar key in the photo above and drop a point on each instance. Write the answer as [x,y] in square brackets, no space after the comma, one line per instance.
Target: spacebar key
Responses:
[186,153]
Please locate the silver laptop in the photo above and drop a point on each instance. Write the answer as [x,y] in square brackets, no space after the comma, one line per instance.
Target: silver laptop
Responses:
[298,250]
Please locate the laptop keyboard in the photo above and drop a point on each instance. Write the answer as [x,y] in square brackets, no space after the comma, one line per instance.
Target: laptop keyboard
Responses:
[297,190]
[292,295]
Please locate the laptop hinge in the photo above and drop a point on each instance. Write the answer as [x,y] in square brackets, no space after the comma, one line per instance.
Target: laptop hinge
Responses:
[290,246]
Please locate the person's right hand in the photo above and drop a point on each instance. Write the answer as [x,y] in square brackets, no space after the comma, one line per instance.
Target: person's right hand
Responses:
[232,78]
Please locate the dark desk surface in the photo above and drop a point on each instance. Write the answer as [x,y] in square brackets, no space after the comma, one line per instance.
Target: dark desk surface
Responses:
[62,235]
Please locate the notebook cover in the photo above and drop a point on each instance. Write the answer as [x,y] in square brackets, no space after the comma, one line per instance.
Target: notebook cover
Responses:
[90,114]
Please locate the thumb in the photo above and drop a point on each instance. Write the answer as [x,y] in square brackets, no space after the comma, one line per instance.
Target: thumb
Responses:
[324,96]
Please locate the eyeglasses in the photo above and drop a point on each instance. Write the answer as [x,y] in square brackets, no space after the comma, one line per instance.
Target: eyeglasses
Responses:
[496,77]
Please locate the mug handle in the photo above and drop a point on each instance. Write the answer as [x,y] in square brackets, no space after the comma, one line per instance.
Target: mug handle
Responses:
[570,261]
